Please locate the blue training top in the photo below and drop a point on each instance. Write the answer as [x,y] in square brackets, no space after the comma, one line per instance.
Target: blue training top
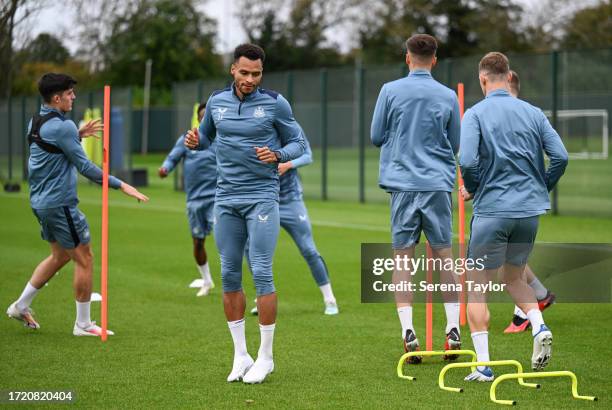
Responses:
[290,183]
[503,140]
[417,123]
[262,118]
[200,169]
[53,177]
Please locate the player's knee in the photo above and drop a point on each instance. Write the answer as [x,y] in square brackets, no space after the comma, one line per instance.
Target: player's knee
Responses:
[264,286]
[231,282]
[84,257]
[263,280]
[60,258]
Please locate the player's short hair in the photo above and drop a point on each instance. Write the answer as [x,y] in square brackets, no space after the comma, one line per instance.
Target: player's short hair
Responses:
[515,82]
[494,64]
[250,51]
[201,106]
[52,83]
[422,45]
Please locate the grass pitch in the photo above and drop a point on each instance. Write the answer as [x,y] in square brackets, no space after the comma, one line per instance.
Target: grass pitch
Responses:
[173,350]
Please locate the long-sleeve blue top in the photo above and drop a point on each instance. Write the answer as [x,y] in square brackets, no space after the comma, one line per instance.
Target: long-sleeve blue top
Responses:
[262,118]
[53,177]
[199,169]
[503,141]
[290,183]
[416,123]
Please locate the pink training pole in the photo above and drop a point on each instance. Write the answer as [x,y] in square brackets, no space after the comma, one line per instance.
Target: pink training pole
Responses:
[461,206]
[105,167]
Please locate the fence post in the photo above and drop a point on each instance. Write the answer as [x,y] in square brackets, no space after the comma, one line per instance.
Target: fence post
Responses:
[290,87]
[24,125]
[323,134]
[361,130]
[200,91]
[10,137]
[175,104]
[555,91]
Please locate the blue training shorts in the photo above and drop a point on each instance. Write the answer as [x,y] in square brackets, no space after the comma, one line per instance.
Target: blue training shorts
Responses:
[200,216]
[414,211]
[66,225]
[502,240]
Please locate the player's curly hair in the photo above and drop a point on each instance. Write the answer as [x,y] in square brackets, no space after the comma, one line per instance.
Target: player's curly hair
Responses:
[250,51]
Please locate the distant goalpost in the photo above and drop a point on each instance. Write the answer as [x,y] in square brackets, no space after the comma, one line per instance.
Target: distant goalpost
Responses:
[584,132]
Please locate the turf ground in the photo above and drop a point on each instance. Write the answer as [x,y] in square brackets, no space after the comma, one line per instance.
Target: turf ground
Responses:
[173,350]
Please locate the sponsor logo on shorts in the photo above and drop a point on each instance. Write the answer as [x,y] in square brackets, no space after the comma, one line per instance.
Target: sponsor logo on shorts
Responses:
[263,218]
[302,217]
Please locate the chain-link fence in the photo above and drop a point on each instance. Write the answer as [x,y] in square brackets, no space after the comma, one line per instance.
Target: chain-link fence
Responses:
[335,109]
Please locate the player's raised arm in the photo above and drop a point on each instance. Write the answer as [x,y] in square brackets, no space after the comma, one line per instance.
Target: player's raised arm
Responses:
[468,158]
[292,140]
[556,152]
[174,157]
[378,130]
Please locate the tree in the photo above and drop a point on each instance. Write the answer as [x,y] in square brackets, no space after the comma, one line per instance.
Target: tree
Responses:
[172,34]
[44,48]
[295,34]
[590,27]
[461,27]
[12,13]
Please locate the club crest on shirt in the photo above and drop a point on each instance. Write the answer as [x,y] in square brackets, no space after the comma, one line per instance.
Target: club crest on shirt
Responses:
[220,111]
[259,112]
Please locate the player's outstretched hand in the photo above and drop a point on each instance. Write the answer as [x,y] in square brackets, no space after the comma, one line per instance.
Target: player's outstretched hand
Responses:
[133,192]
[465,194]
[264,154]
[163,172]
[192,139]
[283,167]
[91,129]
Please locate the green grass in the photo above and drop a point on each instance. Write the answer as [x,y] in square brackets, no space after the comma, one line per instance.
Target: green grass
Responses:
[173,350]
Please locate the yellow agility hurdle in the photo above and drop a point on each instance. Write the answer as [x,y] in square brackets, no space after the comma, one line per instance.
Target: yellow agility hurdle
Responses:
[519,369]
[520,376]
[402,360]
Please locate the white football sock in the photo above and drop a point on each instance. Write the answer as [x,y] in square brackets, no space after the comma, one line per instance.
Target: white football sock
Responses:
[518,312]
[405,317]
[540,290]
[481,345]
[205,272]
[25,300]
[267,339]
[83,314]
[328,294]
[237,329]
[536,319]
[452,316]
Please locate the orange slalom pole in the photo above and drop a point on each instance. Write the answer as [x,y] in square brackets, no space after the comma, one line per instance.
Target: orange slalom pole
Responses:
[104,252]
[461,206]
[429,305]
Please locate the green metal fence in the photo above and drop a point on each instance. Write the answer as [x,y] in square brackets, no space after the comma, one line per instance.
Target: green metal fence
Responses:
[334,106]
